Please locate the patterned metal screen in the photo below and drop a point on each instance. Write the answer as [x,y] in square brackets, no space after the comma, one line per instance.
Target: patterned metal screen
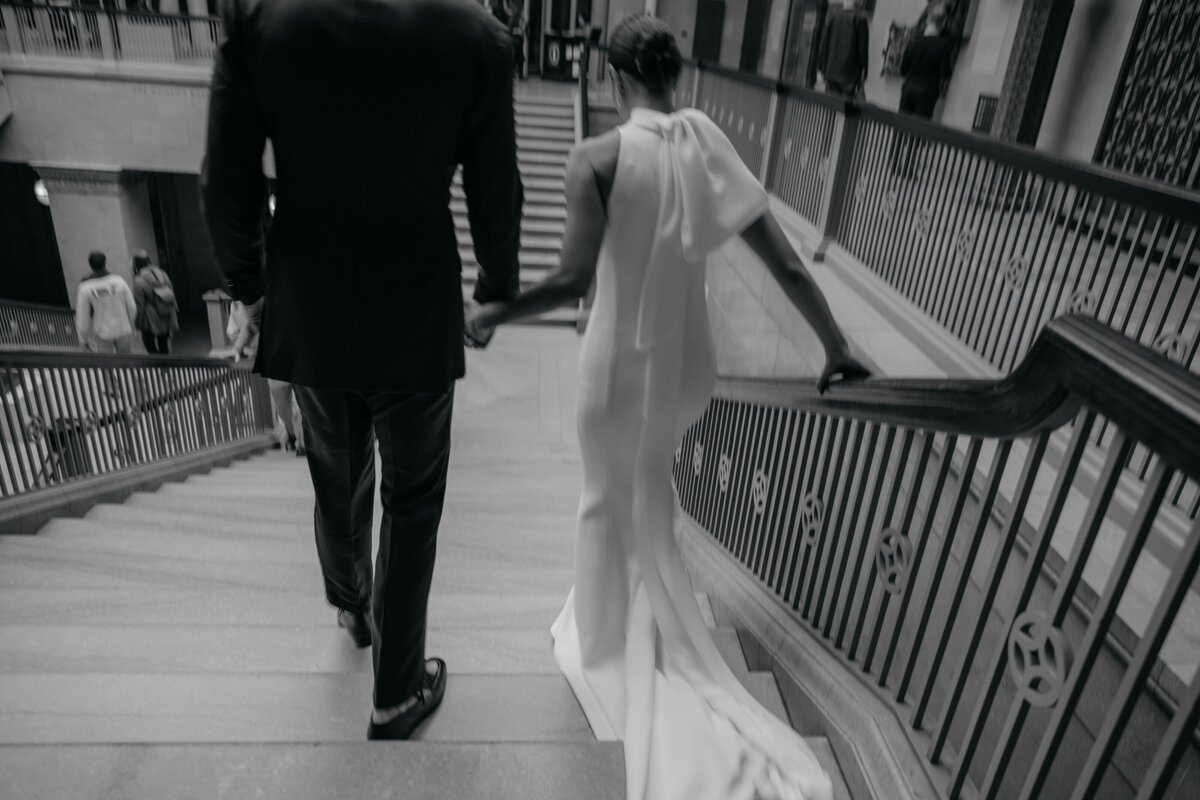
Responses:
[1153,129]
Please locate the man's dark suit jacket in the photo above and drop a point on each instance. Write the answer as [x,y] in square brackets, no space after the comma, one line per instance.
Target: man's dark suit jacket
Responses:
[369,106]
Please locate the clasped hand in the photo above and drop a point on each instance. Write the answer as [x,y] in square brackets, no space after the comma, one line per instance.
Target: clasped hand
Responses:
[476,332]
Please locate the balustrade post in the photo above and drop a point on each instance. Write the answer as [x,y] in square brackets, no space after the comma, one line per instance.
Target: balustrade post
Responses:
[105,26]
[696,85]
[12,32]
[768,158]
[837,182]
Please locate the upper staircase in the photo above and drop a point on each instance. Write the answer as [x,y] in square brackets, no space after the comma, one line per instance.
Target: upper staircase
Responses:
[545,136]
[180,642]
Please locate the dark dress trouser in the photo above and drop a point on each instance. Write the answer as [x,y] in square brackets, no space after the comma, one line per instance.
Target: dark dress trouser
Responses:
[413,431]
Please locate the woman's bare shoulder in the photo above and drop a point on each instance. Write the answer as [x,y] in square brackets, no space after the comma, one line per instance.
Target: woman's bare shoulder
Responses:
[598,155]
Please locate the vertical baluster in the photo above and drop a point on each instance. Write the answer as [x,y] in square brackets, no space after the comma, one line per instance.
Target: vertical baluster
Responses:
[929,222]
[1098,628]
[1061,603]
[987,278]
[987,502]
[840,538]
[965,477]
[780,565]
[857,537]
[798,560]
[874,537]
[1041,275]
[949,444]
[1007,293]
[831,534]
[62,426]
[1016,514]
[39,395]
[747,520]
[733,450]
[949,215]
[781,489]
[966,239]
[18,466]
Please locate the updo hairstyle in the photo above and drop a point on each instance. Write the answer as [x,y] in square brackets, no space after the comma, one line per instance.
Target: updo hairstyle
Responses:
[644,47]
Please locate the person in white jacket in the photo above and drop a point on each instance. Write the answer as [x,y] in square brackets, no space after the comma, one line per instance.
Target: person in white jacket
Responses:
[104,310]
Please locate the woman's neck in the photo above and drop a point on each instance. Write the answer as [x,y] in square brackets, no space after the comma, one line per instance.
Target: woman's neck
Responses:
[663,105]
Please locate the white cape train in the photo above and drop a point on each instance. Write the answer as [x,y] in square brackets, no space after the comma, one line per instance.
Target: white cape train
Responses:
[631,640]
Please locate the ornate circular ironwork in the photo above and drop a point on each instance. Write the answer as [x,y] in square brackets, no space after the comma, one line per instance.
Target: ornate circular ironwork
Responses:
[121,455]
[1083,301]
[697,459]
[1040,657]
[1016,270]
[90,422]
[133,415]
[860,190]
[787,147]
[890,201]
[760,487]
[892,560]
[723,473]
[33,326]
[964,243]
[1171,345]
[741,124]
[762,137]
[35,429]
[805,157]
[812,513]
[751,129]
[50,327]
[924,221]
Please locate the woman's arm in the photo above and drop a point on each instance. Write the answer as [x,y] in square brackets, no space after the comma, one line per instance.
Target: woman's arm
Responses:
[771,244]
[586,220]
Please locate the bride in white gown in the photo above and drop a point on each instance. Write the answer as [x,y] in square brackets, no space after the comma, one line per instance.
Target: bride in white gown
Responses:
[645,204]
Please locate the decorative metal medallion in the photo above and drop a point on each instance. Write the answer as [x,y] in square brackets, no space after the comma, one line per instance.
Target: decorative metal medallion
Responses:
[893,559]
[860,190]
[121,455]
[1040,657]
[50,328]
[762,137]
[678,452]
[924,221]
[1083,301]
[787,147]
[812,512]
[12,324]
[964,243]
[697,459]
[33,326]
[890,201]
[133,415]
[741,124]
[1016,270]
[1171,345]
[823,168]
[35,429]
[752,129]
[805,157]
[759,488]
[723,473]
[90,422]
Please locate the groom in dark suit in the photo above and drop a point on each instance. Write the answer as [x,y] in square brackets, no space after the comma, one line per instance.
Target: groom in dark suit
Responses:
[369,106]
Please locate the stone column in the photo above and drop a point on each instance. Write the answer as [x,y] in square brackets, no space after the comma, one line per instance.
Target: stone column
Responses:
[98,209]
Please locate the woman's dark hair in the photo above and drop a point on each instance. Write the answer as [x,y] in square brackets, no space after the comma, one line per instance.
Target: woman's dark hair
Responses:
[644,47]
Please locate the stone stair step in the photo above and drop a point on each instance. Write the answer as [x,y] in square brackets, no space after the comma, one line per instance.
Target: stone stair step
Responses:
[526,156]
[823,750]
[533,211]
[558,171]
[531,145]
[564,131]
[524,109]
[255,607]
[87,708]
[527,258]
[549,197]
[104,648]
[542,183]
[320,770]
[730,648]
[534,226]
[764,689]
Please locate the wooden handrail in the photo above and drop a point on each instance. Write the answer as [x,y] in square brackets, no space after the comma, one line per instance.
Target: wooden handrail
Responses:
[39,357]
[1075,362]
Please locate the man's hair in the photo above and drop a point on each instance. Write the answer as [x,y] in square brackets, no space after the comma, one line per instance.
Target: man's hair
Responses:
[140,259]
[644,47]
[97,261]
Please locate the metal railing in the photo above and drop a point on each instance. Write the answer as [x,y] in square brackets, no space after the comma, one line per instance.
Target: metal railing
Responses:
[991,240]
[34,325]
[68,416]
[136,36]
[894,519]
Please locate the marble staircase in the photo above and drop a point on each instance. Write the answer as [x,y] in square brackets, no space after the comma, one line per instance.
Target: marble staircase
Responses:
[178,644]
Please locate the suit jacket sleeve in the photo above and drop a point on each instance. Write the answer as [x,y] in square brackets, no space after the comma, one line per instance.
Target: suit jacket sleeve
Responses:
[491,180]
[233,187]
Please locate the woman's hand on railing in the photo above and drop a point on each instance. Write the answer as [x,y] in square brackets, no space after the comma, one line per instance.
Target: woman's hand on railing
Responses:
[844,367]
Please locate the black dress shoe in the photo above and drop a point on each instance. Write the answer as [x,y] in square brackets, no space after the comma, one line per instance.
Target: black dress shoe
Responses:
[356,625]
[428,698]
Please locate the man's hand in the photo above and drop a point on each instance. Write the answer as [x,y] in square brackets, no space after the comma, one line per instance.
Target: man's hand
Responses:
[845,367]
[476,334]
[254,314]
